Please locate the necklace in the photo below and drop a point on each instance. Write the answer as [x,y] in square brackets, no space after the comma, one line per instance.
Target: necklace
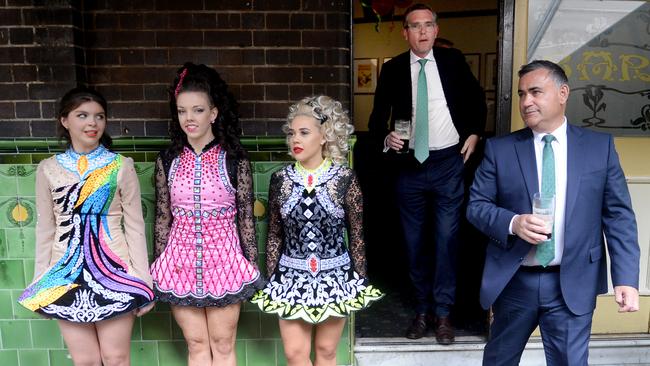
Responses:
[310,176]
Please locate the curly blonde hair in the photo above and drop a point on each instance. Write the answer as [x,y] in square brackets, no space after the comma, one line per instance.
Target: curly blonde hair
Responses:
[334,123]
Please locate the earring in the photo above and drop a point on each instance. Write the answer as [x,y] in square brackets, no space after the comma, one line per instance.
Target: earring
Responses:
[212,122]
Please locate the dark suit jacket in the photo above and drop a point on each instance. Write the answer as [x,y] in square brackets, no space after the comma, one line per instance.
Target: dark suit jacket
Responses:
[393,99]
[597,203]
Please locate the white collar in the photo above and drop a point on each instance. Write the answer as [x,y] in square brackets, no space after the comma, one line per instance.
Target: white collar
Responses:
[415,58]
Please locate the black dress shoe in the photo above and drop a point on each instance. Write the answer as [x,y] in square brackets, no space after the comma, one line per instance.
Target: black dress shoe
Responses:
[445,333]
[418,327]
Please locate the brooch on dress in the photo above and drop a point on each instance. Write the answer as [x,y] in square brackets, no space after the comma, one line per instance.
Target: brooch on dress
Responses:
[310,176]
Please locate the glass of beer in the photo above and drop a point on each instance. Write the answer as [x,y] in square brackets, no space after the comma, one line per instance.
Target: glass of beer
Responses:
[403,130]
[544,208]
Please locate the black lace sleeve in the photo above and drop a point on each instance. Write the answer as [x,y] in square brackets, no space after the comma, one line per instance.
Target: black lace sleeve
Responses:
[275,231]
[353,205]
[163,210]
[245,221]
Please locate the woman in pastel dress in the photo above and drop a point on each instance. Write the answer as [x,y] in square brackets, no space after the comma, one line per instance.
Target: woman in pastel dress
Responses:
[316,280]
[205,245]
[91,271]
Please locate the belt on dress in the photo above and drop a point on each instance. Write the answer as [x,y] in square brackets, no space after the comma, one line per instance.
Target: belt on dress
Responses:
[314,264]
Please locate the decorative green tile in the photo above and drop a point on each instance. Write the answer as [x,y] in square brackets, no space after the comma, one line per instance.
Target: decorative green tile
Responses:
[20,242]
[145,173]
[60,357]
[136,333]
[343,352]
[136,156]
[249,325]
[172,353]
[12,274]
[156,326]
[6,309]
[8,180]
[16,158]
[46,334]
[281,359]
[148,207]
[260,352]
[151,156]
[15,334]
[33,357]
[29,270]
[8,358]
[4,247]
[148,233]
[26,179]
[270,327]
[21,312]
[37,158]
[281,156]
[17,211]
[240,352]
[261,230]
[177,332]
[144,353]
[162,307]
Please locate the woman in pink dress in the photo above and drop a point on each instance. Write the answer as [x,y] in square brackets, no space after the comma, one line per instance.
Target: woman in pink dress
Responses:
[205,245]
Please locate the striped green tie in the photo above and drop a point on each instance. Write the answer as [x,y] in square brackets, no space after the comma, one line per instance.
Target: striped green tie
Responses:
[546,250]
[422,116]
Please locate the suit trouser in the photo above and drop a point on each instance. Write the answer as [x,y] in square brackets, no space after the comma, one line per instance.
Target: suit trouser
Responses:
[435,188]
[531,299]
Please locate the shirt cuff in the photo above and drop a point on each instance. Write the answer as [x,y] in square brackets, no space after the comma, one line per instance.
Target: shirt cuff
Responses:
[386,148]
[510,226]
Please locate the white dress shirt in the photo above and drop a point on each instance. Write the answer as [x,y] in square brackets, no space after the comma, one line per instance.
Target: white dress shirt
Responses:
[442,132]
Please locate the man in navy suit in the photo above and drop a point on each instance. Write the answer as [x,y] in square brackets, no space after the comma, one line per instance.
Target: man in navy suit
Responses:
[592,204]
[430,180]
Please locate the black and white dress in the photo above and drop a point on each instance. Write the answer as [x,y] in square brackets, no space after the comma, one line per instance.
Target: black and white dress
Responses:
[313,273]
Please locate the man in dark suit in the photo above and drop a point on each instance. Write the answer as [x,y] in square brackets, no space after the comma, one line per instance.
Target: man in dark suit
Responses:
[436,90]
[525,286]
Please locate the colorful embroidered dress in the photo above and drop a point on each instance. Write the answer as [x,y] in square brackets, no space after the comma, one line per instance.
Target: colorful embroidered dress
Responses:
[312,274]
[88,268]
[205,235]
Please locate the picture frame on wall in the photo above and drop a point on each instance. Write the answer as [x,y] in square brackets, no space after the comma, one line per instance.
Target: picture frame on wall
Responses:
[474,62]
[365,75]
[490,71]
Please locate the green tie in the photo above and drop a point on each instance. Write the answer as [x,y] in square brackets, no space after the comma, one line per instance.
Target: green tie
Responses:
[546,250]
[422,116]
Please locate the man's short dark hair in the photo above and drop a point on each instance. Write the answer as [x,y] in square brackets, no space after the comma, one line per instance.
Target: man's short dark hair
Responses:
[415,7]
[556,72]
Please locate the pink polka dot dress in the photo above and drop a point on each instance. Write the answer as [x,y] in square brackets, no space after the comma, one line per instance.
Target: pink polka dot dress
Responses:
[200,257]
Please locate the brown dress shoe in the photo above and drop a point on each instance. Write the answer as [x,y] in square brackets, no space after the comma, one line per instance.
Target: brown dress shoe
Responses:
[418,327]
[444,331]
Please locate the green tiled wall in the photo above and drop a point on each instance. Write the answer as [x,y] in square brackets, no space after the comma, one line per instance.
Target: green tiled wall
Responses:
[28,340]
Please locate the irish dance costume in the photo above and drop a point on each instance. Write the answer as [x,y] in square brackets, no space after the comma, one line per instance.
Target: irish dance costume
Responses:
[313,276]
[205,245]
[91,253]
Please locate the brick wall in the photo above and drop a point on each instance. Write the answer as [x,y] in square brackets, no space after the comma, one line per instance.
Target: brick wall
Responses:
[270,52]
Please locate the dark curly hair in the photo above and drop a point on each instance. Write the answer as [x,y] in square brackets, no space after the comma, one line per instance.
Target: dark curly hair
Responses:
[201,78]
[69,102]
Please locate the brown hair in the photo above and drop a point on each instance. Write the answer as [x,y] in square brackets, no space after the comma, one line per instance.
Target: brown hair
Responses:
[73,99]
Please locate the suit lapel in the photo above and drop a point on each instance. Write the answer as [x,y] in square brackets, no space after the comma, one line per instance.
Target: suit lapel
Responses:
[575,154]
[525,150]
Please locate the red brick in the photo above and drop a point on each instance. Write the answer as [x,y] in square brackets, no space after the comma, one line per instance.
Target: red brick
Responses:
[47,16]
[183,38]
[12,55]
[154,21]
[5,74]
[297,92]
[133,75]
[325,74]
[43,128]
[276,5]
[179,5]
[204,21]
[64,73]
[21,35]
[111,39]
[104,57]
[49,90]
[325,5]
[180,21]
[252,20]
[156,128]
[302,21]
[156,92]
[236,74]
[10,16]
[228,4]
[276,38]
[4,36]
[251,92]
[131,21]
[277,21]
[301,57]
[7,110]
[131,92]
[131,57]
[324,39]
[129,109]
[14,128]
[228,21]
[106,21]
[277,57]
[277,74]
[13,91]
[28,110]
[156,57]
[228,38]
[277,92]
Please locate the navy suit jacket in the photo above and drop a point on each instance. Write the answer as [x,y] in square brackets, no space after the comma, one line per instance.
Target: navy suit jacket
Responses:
[393,99]
[597,203]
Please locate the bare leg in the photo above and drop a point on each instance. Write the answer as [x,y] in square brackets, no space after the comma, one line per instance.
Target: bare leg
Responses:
[115,339]
[222,328]
[81,340]
[328,335]
[194,324]
[296,338]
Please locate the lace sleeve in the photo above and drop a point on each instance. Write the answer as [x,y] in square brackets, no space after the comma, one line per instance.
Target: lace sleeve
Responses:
[275,230]
[354,213]
[245,221]
[163,210]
